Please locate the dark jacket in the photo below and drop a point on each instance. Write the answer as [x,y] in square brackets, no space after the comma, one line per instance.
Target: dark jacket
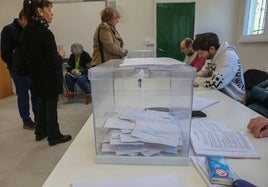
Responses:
[84,63]
[10,41]
[45,65]
[256,86]
[259,94]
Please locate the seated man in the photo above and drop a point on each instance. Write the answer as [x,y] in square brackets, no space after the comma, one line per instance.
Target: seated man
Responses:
[223,71]
[191,57]
[257,98]
[77,72]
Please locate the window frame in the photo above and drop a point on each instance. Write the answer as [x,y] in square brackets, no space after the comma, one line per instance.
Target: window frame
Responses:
[252,38]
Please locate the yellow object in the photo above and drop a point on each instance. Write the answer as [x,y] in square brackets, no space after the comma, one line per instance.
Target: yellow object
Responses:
[5,83]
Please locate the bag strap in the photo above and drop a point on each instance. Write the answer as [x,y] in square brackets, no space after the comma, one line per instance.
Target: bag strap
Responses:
[101,47]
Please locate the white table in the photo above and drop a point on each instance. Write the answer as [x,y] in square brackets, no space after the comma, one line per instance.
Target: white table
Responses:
[77,164]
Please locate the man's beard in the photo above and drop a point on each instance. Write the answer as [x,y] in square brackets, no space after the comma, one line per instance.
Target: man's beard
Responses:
[210,56]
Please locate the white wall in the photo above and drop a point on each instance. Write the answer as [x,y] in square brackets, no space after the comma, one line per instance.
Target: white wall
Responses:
[138,24]
[76,22]
[219,17]
[254,55]
[9,9]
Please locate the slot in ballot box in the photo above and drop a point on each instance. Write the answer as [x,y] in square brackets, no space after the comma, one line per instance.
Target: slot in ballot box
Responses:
[142,111]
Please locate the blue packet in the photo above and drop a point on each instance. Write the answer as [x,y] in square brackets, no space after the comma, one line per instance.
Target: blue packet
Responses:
[218,170]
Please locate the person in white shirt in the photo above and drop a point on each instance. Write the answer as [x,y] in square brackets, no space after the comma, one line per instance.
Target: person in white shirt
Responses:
[223,71]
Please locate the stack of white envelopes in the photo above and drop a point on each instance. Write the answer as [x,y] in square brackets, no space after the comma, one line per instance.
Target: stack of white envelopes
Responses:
[135,132]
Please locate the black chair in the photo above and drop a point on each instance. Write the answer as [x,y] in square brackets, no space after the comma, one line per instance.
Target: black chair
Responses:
[252,78]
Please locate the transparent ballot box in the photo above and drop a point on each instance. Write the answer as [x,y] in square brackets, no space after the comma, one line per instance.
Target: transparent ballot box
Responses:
[142,111]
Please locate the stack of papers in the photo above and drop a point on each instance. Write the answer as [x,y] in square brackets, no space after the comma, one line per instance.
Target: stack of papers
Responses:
[141,132]
[216,138]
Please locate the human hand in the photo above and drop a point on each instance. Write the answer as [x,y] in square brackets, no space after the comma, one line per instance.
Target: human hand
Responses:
[259,127]
[73,71]
[125,52]
[196,84]
[61,53]
[76,72]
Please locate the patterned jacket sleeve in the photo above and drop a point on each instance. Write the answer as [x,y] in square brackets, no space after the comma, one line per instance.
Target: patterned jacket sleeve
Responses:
[222,73]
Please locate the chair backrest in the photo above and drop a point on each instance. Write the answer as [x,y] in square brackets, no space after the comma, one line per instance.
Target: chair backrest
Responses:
[253,77]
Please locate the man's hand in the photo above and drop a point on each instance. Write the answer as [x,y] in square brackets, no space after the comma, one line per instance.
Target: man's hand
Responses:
[259,127]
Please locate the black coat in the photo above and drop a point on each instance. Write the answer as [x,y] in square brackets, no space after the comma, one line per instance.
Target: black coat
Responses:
[45,65]
[85,61]
[10,41]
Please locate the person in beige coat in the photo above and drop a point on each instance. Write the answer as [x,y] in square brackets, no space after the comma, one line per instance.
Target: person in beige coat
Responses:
[107,42]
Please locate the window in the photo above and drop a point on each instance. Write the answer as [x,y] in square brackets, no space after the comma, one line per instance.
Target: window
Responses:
[255,27]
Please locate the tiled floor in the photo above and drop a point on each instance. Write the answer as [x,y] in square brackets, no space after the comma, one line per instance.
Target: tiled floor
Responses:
[25,162]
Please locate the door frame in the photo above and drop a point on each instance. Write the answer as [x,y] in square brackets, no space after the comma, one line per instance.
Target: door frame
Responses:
[155,16]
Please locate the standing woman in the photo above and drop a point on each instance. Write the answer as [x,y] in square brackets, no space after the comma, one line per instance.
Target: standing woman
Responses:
[45,68]
[107,42]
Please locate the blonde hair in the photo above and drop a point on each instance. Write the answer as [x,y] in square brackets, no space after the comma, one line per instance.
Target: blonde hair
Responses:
[108,14]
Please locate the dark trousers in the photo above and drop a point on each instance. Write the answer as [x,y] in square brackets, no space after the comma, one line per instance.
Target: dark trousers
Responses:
[23,87]
[47,122]
[260,108]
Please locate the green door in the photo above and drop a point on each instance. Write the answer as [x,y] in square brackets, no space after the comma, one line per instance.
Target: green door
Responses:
[175,21]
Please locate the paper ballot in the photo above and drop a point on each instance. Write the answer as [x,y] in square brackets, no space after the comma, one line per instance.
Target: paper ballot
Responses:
[117,123]
[200,103]
[158,132]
